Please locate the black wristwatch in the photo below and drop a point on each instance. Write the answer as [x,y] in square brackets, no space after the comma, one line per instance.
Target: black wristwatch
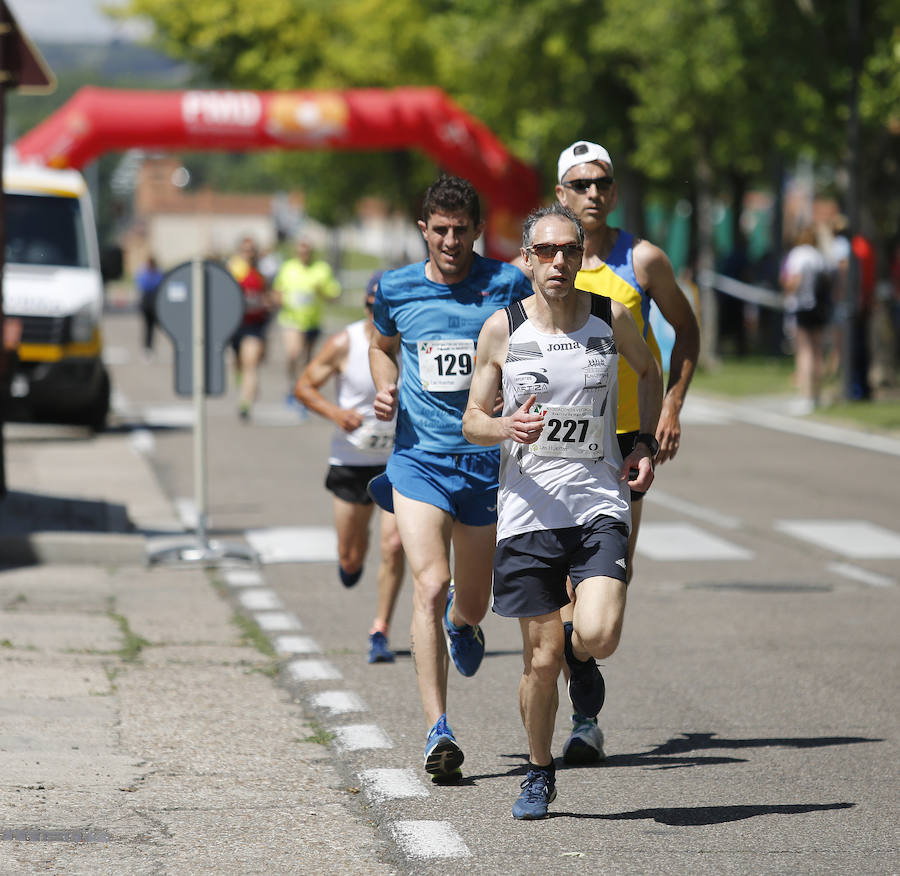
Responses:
[649,440]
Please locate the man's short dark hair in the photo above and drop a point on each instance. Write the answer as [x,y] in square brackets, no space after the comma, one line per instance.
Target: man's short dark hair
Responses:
[452,194]
[554,209]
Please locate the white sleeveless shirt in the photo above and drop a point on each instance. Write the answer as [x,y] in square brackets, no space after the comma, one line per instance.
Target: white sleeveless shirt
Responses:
[372,442]
[571,474]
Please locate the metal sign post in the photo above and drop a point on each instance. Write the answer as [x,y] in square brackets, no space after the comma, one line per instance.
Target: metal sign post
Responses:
[199,305]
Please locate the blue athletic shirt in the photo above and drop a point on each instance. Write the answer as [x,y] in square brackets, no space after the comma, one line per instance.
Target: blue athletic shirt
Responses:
[439,326]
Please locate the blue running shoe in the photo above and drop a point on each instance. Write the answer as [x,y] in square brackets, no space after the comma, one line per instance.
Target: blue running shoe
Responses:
[379,652]
[538,791]
[466,644]
[443,757]
[587,690]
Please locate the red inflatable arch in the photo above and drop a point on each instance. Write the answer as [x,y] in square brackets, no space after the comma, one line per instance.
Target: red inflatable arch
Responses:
[98,120]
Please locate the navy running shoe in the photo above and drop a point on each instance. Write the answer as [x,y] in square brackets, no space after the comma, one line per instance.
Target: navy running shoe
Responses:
[443,757]
[379,652]
[538,791]
[587,690]
[466,644]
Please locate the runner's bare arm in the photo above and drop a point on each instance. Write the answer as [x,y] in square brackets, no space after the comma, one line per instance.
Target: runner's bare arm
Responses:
[383,352]
[654,272]
[330,360]
[480,426]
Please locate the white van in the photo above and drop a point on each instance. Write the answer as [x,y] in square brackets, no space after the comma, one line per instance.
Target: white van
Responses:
[53,283]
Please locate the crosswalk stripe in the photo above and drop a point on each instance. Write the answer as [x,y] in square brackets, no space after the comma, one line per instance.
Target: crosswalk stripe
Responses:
[359,737]
[684,541]
[294,544]
[852,538]
[873,579]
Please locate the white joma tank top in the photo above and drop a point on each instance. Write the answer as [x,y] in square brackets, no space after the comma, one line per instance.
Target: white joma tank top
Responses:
[571,475]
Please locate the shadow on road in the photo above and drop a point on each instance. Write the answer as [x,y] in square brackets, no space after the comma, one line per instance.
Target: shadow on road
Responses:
[697,816]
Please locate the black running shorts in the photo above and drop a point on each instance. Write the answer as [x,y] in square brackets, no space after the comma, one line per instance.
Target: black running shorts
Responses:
[530,569]
[348,482]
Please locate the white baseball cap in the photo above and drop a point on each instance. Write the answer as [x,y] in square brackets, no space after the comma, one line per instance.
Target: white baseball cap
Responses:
[581,152]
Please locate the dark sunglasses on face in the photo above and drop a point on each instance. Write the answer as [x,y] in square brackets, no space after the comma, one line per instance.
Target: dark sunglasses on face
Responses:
[582,186]
[546,252]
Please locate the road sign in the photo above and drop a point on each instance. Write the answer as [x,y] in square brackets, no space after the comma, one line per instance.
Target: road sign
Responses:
[223,308]
[22,67]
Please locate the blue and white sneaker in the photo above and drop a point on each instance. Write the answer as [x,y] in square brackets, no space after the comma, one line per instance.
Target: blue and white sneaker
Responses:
[466,644]
[379,652]
[585,744]
[443,757]
[538,791]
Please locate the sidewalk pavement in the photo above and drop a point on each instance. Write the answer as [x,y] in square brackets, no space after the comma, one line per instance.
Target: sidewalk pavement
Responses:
[142,731]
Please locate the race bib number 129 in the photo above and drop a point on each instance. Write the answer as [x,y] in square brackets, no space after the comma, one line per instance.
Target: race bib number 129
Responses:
[446,366]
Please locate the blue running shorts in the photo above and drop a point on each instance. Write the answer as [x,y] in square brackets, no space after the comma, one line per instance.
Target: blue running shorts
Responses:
[530,569]
[464,484]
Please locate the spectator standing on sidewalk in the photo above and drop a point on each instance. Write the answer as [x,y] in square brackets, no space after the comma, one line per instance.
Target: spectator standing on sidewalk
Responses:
[360,447]
[564,507]
[807,312]
[147,281]
[301,286]
[443,489]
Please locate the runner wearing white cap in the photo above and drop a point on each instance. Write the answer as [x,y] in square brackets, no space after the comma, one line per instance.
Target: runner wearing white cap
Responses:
[587,186]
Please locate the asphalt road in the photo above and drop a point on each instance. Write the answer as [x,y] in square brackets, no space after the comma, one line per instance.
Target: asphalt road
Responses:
[751,714]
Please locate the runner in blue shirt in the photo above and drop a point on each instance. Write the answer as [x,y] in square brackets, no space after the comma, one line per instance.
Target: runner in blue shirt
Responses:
[444,490]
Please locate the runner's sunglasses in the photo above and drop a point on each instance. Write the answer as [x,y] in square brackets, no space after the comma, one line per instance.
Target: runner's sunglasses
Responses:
[582,186]
[546,252]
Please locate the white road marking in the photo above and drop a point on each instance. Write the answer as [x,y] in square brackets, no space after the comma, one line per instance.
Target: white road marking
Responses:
[242,578]
[359,737]
[339,702]
[296,645]
[260,600]
[186,510]
[142,442]
[387,784]
[277,621]
[177,416]
[113,355]
[294,544]
[684,541]
[704,412]
[757,416]
[852,538]
[429,839]
[873,579]
[313,670]
[707,515]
